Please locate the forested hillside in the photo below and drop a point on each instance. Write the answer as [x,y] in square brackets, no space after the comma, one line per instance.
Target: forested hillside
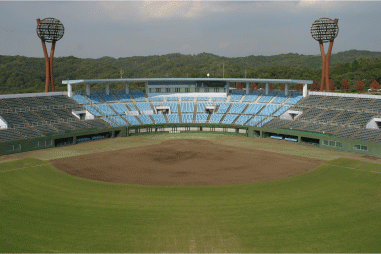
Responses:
[20,74]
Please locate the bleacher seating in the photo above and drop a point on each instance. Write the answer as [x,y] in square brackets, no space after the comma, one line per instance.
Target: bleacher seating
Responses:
[118,120]
[237,108]
[242,119]
[92,110]
[123,97]
[172,105]
[343,103]
[310,101]
[138,96]
[269,109]
[215,118]
[104,109]
[360,104]
[28,132]
[30,117]
[223,107]
[45,129]
[236,97]
[256,120]
[367,135]
[80,99]
[201,118]
[143,106]
[158,118]
[109,121]
[250,98]
[361,119]
[187,98]
[48,115]
[294,98]
[375,106]
[268,119]
[280,98]
[330,128]
[187,118]
[156,98]
[173,118]
[254,108]
[346,132]
[131,106]
[219,98]
[187,107]
[202,98]
[131,120]
[201,106]
[108,97]
[282,110]
[10,135]
[229,119]
[145,119]
[327,115]
[266,98]
[327,101]
[172,98]
[94,98]
[344,117]
[119,108]
[312,113]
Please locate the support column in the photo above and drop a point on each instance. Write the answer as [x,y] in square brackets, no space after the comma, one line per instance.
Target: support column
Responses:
[107,88]
[87,89]
[146,88]
[304,90]
[69,90]
[247,87]
[127,88]
[286,88]
[267,88]
[227,88]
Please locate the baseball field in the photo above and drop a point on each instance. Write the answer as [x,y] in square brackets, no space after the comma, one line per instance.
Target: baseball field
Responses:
[190,193]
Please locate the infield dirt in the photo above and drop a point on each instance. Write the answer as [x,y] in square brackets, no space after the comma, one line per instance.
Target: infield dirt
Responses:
[186,162]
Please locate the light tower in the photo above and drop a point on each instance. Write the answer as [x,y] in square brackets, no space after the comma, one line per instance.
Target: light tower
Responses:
[49,30]
[325,30]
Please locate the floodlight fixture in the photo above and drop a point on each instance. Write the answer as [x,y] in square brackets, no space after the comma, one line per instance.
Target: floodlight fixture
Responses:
[325,30]
[49,30]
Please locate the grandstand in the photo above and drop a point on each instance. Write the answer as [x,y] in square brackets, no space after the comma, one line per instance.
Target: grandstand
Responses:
[38,121]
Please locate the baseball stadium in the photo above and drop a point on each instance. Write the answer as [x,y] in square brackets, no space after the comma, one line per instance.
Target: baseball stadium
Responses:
[201,165]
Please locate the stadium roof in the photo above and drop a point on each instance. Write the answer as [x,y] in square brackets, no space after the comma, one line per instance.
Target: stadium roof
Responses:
[243,80]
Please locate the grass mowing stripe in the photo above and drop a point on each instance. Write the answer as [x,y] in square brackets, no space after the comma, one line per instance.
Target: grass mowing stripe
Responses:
[328,209]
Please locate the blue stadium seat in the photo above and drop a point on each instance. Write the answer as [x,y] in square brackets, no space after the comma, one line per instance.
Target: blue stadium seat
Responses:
[201,106]
[108,98]
[143,106]
[254,108]
[237,108]
[295,98]
[92,110]
[201,118]
[187,118]
[132,120]
[172,98]
[94,98]
[172,105]
[173,118]
[280,98]
[145,119]
[215,118]
[158,118]
[269,109]
[123,97]
[104,109]
[80,99]
[118,120]
[119,108]
[223,107]
[187,107]
[132,107]
[242,119]
[256,120]
[229,119]
[282,110]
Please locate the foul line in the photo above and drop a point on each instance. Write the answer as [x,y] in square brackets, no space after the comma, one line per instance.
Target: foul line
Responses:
[23,168]
[352,168]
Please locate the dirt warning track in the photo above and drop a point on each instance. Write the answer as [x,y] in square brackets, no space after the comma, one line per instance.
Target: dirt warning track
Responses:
[186,162]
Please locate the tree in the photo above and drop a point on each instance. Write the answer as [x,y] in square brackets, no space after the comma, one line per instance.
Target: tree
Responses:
[282,88]
[315,86]
[345,85]
[332,84]
[239,86]
[299,87]
[271,86]
[254,87]
[360,86]
[375,85]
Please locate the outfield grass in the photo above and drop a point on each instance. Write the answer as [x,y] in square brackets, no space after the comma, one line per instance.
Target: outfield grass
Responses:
[334,208]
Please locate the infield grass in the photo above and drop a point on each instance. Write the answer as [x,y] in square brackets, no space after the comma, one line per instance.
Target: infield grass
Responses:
[333,208]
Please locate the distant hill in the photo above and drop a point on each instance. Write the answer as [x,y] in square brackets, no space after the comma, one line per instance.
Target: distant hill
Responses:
[26,74]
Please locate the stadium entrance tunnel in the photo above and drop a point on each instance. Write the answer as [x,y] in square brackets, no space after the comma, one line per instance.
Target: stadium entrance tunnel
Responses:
[92,137]
[310,141]
[281,136]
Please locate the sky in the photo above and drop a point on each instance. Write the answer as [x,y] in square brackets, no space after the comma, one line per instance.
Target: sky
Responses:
[94,29]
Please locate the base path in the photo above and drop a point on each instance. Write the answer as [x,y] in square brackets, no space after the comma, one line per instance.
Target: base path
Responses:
[186,162]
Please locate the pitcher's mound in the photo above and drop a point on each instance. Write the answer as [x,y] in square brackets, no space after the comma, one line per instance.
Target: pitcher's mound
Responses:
[186,162]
